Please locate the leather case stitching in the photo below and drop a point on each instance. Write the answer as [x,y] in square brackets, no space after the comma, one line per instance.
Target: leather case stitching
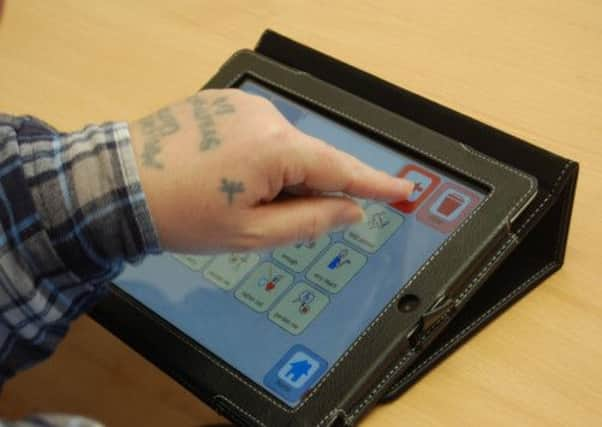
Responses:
[330,415]
[512,239]
[230,402]
[548,197]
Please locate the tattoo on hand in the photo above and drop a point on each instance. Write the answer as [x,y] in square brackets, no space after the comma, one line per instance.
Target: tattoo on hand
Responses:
[168,124]
[202,112]
[222,106]
[154,127]
[231,188]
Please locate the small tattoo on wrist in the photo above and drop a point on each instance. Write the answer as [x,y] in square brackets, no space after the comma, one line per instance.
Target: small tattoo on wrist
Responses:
[168,124]
[154,127]
[231,188]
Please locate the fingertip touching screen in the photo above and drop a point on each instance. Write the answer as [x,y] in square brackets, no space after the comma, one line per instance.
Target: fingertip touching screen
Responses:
[282,318]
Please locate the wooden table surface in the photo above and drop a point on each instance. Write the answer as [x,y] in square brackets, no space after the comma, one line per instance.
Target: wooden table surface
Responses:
[532,68]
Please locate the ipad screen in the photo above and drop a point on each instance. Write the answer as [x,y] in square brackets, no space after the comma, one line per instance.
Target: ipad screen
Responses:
[284,317]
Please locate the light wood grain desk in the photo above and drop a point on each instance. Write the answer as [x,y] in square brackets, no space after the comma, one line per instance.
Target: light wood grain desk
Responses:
[532,68]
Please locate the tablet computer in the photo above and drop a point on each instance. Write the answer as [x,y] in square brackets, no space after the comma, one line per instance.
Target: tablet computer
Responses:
[301,334]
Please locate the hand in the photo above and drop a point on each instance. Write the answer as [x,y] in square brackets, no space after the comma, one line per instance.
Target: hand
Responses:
[214,168]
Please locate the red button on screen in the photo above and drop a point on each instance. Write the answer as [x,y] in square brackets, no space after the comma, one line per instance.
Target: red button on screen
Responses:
[424,184]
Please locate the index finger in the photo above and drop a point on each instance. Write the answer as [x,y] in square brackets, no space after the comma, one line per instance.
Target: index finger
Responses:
[321,167]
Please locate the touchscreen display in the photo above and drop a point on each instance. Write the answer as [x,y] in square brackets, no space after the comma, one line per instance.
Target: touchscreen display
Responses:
[283,317]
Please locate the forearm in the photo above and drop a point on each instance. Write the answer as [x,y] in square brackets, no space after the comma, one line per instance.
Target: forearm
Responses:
[71,211]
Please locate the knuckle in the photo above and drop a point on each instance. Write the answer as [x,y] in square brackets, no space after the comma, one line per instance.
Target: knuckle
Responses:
[247,242]
[311,230]
[258,103]
[264,102]
[277,131]
[351,179]
[328,155]
[273,186]
[250,237]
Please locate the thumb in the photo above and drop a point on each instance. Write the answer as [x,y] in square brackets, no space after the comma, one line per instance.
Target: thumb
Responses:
[302,219]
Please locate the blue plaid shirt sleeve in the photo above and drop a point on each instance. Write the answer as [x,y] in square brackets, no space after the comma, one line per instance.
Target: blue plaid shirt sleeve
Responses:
[72,211]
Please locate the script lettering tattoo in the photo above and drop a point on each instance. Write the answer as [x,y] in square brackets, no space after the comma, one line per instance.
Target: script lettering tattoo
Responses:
[154,127]
[222,106]
[168,124]
[203,113]
[151,147]
[209,138]
[231,188]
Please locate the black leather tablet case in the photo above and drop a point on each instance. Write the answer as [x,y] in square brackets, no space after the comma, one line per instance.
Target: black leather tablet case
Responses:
[542,229]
